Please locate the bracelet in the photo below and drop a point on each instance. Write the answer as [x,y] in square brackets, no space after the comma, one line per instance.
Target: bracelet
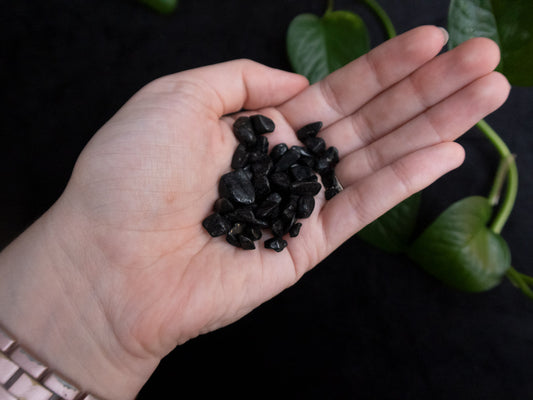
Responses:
[22,377]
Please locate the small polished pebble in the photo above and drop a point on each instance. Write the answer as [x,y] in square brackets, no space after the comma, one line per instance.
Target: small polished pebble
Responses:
[237,187]
[295,229]
[216,225]
[309,130]
[276,243]
[240,157]
[223,206]
[244,131]
[262,124]
[271,190]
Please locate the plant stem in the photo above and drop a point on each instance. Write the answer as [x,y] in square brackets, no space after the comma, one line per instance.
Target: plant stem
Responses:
[518,279]
[382,16]
[512,177]
[329,7]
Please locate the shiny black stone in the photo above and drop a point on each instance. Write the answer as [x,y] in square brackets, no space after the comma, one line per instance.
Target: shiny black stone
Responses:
[305,188]
[277,151]
[295,229]
[237,187]
[275,243]
[223,206]
[269,208]
[286,160]
[301,173]
[253,232]
[316,145]
[261,186]
[237,228]
[331,192]
[309,130]
[332,156]
[306,205]
[261,145]
[233,239]
[246,243]
[278,227]
[280,182]
[328,178]
[288,216]
[262,166]
[244,132]
[216,225]
[240,157]
[262,124]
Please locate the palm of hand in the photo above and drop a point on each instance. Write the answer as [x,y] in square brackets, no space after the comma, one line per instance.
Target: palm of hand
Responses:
[149,177]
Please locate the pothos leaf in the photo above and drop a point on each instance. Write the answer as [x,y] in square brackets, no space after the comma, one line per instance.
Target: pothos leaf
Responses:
[162,6]
[508,23]
[393,230]
[460,250]
[317,46]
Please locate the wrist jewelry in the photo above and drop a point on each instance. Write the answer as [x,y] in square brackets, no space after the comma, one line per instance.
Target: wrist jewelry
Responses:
[22,377]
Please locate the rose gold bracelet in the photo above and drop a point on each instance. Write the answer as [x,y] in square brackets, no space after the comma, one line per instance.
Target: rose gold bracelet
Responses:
[22,377]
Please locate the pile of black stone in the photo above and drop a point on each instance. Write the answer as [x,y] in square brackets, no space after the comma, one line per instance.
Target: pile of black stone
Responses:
[271,190]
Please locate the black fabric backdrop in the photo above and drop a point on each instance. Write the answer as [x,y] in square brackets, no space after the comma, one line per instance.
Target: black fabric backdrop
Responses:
[362,324]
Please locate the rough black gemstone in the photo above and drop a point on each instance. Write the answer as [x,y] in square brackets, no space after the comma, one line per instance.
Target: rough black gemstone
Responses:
[316,145]
[246,243]
[262,166]
[253,232]
[328,178]
[288,216]
[216,225]
[223,206]
[301,173]
[280,182]
[233,239]
[261,186]
[244,132]
[240,157]
[261,145]
[331,192]
[275,243]
[295,229]
[332,156]
[286,160]
[309,130]
[305,188]
[237,187]
[262,124]
[269,208]
[278,227]
[277,151]
[306,205]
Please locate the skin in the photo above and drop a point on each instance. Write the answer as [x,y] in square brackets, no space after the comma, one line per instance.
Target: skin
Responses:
[120,271]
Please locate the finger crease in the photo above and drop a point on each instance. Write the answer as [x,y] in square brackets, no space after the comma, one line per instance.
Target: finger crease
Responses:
[329,96]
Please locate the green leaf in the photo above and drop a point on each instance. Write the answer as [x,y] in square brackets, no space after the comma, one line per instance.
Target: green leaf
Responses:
[460,250]
[393,230]
[508,23]
[162,6]
[318,46]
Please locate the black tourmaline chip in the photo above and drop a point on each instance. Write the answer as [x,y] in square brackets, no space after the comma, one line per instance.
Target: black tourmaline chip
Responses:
[302,173]
[233,239]
[278,228]
[280,182]
[269,208]
[276,243]
[253,232]
[316,145]
[223,206]
[305,188]
[309,130]
[216,225]
[240,157]
[261,145]
[306,157]
[244,132]
[306,205]
[261,186]
[262,124]
[262,166]
[331,191]
[246,243]
[277,151]
[295,229]
[237,187]
[286,160]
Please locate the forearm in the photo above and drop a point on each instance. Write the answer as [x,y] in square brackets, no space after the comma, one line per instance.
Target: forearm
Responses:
[50,307]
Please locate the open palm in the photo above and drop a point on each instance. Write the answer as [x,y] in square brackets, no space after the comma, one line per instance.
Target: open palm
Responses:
[149,177]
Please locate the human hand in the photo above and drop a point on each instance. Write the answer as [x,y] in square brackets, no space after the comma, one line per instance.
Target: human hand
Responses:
[148,178]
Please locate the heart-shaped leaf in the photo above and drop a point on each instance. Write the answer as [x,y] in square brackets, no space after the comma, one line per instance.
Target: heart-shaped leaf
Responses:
[508,23]
[392,231]
[460,250]
[318,46]
[162,6]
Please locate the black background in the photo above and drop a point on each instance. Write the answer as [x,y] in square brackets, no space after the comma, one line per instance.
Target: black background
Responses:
[362,324]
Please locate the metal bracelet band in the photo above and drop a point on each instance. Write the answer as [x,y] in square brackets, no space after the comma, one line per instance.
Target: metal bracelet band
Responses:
[24,377]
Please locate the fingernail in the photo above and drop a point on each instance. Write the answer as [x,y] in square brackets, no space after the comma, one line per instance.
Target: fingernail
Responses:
[445,34]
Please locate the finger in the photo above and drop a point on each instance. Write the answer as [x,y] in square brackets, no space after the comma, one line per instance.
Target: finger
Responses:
[364,201]
[430,84]
[231,86]
[347,89]
[445,121]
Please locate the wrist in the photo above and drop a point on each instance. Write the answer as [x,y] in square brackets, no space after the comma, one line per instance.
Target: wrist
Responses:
[51,281]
